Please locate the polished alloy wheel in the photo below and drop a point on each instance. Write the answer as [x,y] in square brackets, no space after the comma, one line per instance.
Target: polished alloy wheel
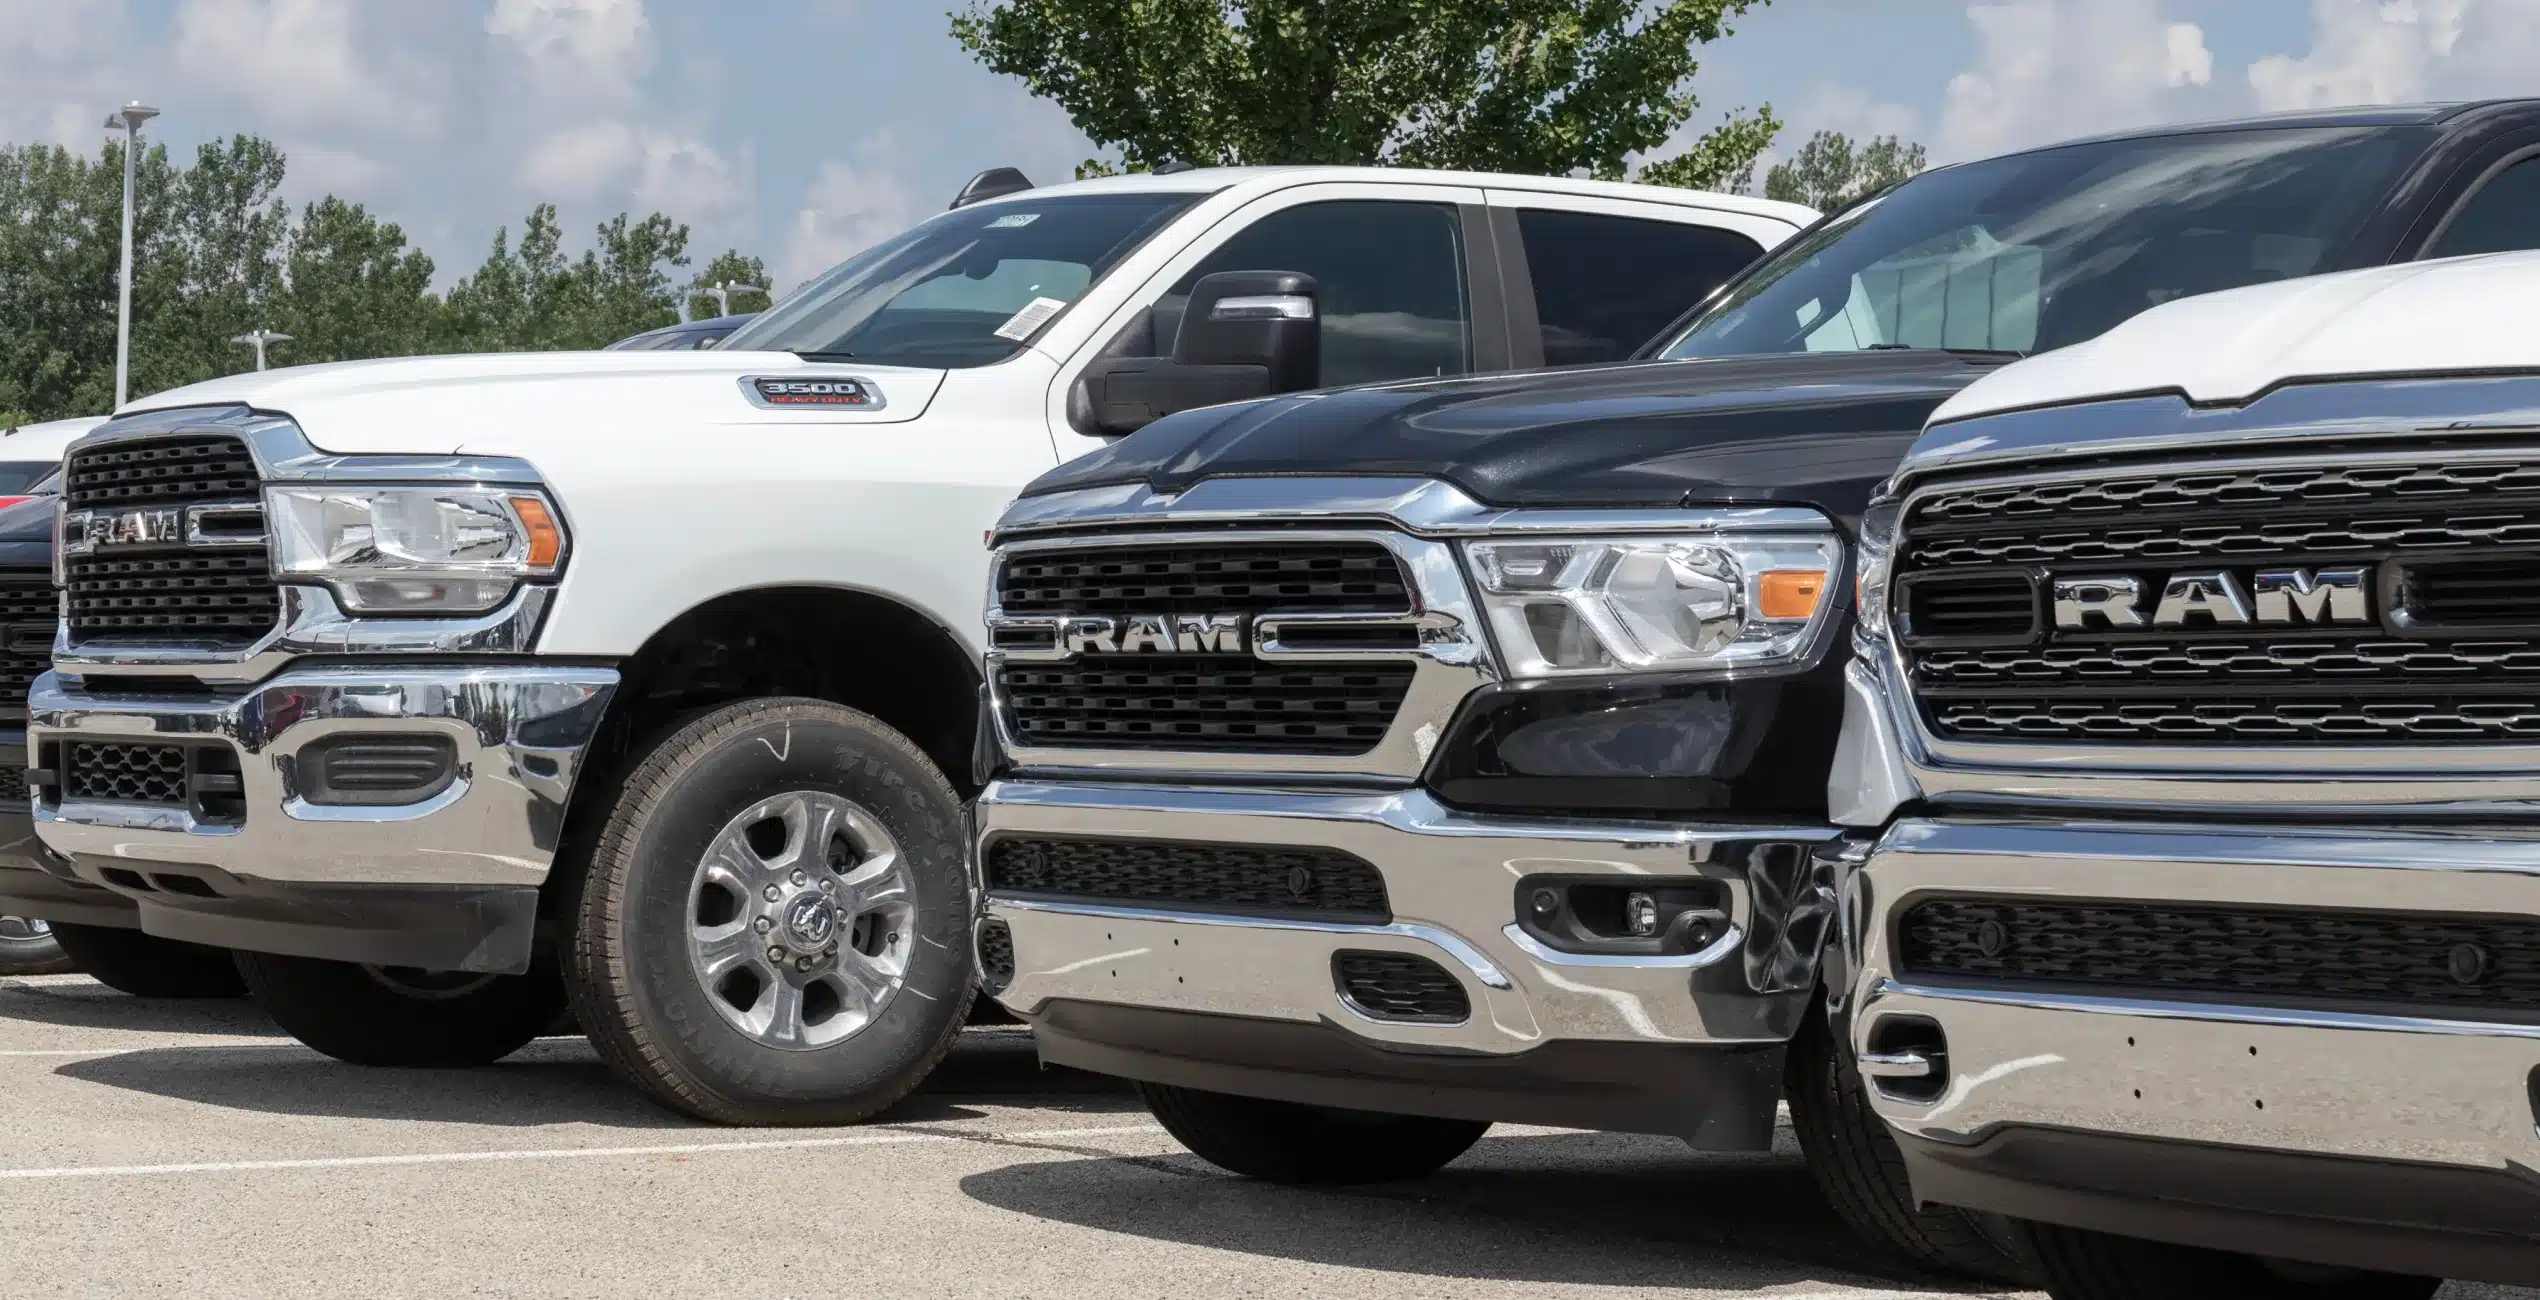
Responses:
[23,929]
[800,920]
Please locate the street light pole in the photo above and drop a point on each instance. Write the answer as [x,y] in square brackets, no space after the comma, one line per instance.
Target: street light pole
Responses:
[257,338]
[127,119]
[723,294]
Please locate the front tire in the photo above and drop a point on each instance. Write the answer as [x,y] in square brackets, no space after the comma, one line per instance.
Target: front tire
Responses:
[381,1016]
[1286,1142]
[147,966]
[27,947]
[1861,1173]
[773,919]
[2080,1265]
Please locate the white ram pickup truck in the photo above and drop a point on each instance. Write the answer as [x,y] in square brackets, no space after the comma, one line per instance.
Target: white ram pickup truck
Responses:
[452,691]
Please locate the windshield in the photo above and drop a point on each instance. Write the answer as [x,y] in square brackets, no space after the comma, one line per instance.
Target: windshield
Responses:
[968,288]
[2038,250]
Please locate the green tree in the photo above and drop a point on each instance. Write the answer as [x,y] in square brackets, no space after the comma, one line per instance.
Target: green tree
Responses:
[1830,171]
[533,297]
[730,266]
[1539,86]
[354,289]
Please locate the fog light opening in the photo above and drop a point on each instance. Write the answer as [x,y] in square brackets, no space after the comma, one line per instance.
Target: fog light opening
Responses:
[1907,1059]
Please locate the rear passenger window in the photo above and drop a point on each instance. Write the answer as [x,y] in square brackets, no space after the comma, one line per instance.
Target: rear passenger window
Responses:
[2502,217]
[1605,284]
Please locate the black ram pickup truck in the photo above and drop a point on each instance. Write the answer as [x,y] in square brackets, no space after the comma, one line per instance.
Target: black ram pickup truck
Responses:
[1373,765]
[46,913]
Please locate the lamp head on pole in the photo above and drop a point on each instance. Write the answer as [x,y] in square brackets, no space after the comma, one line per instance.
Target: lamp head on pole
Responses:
[130,117]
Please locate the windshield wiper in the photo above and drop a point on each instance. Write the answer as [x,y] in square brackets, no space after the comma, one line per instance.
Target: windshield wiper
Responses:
[823,356]
[1964,352]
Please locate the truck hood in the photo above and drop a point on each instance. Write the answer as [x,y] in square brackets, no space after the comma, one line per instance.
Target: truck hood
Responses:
[497,402]
[1816,428]
[2458,315]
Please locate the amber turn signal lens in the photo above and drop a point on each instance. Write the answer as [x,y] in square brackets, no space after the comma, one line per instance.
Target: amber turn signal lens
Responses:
[1790,593]
[546,541]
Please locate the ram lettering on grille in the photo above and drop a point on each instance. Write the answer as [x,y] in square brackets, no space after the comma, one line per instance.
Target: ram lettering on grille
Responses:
[163,542]
[2274,602]
[1149,647]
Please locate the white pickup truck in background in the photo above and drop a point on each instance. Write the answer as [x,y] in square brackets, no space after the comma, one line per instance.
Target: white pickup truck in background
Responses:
[449,690]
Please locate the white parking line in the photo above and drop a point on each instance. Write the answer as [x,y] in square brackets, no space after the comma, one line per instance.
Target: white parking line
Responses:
[865,1139]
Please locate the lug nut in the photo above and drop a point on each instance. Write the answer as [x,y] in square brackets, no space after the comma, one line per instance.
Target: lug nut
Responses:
[802,963]
[800,878]
[773,893]
[776,955]
[828,886]
[764,925]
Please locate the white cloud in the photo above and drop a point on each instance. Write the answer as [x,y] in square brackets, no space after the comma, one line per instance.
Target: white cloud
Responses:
[2048,71]
[850,206]
[604,39]
[2387,51]
[328,67]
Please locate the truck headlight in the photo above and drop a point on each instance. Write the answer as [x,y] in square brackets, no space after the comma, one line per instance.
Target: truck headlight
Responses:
[414,550]
[1878,553]
[1575,606]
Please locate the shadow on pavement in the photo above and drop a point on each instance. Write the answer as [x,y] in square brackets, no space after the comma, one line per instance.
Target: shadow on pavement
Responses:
[85,1004]
[1575,1208]
[553,1081]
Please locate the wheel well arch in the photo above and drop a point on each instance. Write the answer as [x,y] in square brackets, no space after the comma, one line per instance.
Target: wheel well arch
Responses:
[858,648]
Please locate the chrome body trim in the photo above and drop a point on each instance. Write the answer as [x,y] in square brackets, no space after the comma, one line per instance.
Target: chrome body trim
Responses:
[1452,881]
[1426,507]
[521,733]
[2433,1089]
[313,624]
[1452,659]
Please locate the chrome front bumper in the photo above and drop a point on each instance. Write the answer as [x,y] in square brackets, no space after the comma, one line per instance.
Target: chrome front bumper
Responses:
[2375,1140]
[520,734]
[1451,880]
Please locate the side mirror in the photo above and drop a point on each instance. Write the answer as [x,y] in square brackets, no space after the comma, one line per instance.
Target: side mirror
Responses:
[1270,319]
[1245,334]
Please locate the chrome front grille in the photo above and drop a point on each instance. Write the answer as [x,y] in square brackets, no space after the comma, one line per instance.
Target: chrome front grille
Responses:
[165,544]
[2445,650]
[1177,689]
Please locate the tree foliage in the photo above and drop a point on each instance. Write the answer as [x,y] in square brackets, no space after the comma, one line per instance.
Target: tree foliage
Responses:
[1537,86]
[1830,171]
[730,266]
[218,254]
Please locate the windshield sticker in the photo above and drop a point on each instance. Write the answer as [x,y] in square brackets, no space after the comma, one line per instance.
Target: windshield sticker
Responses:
[1034,315]
[1014,220]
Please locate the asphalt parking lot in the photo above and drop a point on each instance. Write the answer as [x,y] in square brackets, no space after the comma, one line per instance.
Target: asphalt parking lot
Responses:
[164,1148]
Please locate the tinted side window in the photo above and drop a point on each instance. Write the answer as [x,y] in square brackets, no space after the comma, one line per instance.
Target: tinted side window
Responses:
[2503,216]
[1604,284]
[1391,278]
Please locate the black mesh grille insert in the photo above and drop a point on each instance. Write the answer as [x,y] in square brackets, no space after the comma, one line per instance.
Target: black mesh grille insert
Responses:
[1246,879]
[2436,639]
[2485,966]
[1214,578]
[207,597]
[161,471]
[13,788]
[28,610]
[1205,702]
[129,773]
[996,955]
[1400,986]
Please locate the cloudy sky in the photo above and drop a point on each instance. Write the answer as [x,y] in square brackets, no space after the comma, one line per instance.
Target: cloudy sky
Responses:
[803,129]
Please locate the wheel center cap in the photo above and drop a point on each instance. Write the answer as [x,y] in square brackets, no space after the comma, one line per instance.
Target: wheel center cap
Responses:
[810,920]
